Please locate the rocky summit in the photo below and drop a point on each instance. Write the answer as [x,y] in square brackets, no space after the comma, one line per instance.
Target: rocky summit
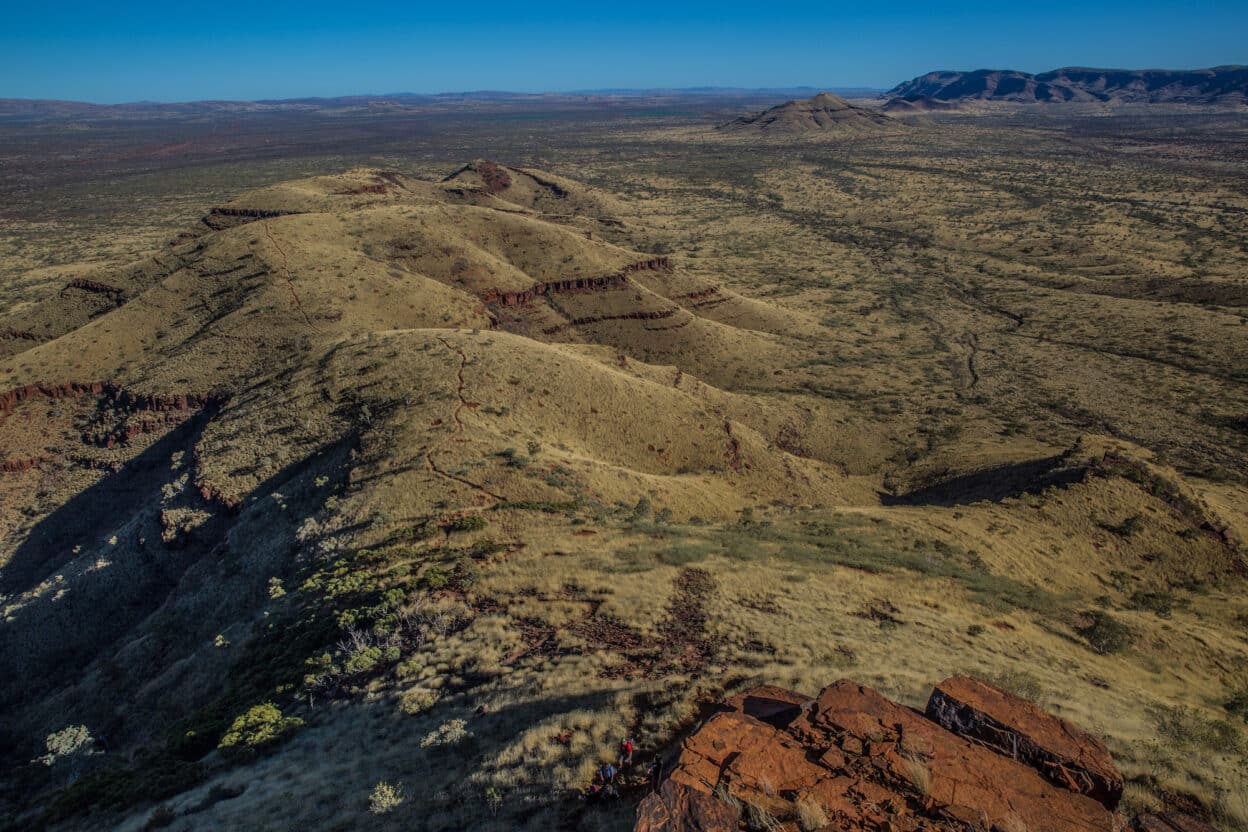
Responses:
[978,758]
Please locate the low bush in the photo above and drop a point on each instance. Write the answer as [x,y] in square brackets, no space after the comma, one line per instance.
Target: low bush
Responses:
[385,797]
[451,732]
[417,701]
[466,523]
[260,726]
[1104,633]
[1184,727]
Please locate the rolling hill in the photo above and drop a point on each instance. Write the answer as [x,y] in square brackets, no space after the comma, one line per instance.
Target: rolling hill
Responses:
[824,114]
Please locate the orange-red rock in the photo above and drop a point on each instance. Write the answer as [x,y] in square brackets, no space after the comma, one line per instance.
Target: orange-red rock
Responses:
[1014,727]
[864,763]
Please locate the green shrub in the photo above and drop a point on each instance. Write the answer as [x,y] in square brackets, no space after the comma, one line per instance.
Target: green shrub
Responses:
[1130,527]
[1237,704]
[435,578]
[466,523]
[1160,604]
[1104,633]
[1185,727]
[260,726]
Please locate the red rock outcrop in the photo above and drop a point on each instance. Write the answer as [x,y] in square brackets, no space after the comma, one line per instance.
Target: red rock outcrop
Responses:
[71,390]
[1016,728]
[851,759]
[646,315]
[573,284]
[116,396]
[494,176]
[224,216]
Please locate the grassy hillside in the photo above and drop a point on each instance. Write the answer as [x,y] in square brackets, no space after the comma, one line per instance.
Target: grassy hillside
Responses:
[451,478]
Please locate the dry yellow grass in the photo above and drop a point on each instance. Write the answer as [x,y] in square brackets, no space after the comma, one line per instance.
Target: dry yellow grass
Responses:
[857,427]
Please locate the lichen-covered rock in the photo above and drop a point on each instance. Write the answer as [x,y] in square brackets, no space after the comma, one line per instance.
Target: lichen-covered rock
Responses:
[1016,728]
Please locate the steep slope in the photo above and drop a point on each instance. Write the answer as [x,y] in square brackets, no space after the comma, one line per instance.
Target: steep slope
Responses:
[823,114]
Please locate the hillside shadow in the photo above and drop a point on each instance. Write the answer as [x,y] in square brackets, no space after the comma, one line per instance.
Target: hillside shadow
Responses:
[88,515]
[151,602]
[992,484]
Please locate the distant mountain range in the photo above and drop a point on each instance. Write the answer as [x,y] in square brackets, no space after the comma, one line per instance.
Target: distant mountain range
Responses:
[715,96]
[1219,85]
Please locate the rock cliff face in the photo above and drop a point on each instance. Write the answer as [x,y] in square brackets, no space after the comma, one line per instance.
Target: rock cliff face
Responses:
[1219,85]
[850,759]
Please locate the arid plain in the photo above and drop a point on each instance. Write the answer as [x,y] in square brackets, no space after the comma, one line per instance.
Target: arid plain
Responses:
[473,442]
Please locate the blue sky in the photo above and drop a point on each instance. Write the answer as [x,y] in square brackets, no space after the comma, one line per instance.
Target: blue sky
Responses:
[177,51]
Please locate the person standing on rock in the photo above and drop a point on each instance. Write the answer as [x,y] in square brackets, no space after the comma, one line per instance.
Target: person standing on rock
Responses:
[626,752]
[607,773]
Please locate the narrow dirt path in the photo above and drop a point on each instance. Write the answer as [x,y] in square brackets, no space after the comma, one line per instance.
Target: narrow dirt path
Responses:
[290,284]
[457,429]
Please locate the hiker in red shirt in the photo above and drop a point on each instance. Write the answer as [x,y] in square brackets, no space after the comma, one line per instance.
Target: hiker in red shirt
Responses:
[626,752]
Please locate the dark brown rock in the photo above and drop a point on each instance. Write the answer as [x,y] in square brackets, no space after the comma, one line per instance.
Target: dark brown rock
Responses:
[1170,822]
[1013,727]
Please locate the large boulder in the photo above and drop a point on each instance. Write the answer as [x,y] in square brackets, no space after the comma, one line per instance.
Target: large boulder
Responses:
[1016,728]
[851,759]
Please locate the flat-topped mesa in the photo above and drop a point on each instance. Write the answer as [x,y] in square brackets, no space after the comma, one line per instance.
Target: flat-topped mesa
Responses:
[572,284]
[853,760]
[1016,728]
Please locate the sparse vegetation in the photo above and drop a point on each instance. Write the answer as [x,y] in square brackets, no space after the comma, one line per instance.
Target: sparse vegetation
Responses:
[938,324]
